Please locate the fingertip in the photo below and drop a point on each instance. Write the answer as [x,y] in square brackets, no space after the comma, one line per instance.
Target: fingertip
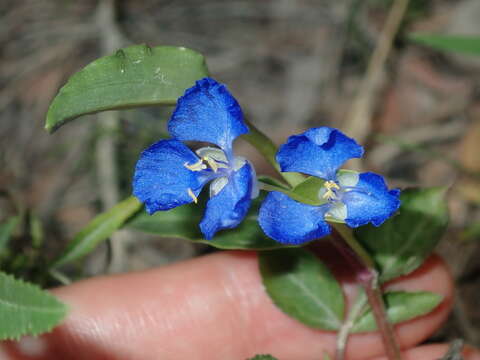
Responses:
[178,311]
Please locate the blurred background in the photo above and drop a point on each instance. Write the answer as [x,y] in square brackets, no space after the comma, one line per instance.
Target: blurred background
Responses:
[291,64]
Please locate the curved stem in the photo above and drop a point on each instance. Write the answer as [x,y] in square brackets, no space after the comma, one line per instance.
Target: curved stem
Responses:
[375,298]
[368,276]
[342,336]
[268,149]
[349,238]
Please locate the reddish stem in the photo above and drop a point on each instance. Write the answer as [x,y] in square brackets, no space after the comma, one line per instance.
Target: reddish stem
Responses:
[367,276]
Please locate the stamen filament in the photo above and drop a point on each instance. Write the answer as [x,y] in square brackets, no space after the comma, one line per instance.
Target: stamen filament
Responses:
[198,166]
[211,162]
[330,193]
[192,195]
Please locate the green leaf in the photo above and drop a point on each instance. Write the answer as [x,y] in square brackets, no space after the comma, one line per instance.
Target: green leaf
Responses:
[6,230]
[25,309]
[182,222]
[268,149]
[401,306]
[403,242]
[268,180]
[270,184]
[303,287]
[263,357]
[98,230]
[463,44]
[135,76]
[326,356]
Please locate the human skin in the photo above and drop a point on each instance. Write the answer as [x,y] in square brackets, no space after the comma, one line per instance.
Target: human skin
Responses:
[214,307]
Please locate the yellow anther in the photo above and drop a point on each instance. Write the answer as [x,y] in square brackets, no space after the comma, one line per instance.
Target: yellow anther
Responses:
[198,166]
[212,163]
[329,185]
[192,195]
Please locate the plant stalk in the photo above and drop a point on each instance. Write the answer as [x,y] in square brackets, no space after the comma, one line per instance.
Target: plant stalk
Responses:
[375,299]
[367,275]
[268,149]
[354,312]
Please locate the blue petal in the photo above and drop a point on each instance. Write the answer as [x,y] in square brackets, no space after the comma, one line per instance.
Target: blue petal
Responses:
[161,180]
[318,152]
[208,112]
[370,201]
[291,222]
[228,208]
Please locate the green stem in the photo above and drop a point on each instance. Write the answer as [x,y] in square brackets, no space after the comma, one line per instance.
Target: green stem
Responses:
[268,149]
[60,277]
[368,277]
[349,238]
[357,309]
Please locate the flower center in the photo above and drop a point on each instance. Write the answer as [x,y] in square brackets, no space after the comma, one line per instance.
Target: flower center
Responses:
[203,163]
[330,190]
[209,158]
[214,159]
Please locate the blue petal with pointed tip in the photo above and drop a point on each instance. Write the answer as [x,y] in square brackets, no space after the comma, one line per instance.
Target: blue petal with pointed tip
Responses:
[228,208]
[370,201]
[291,222]
[208,112]
[318,152]
[161,180]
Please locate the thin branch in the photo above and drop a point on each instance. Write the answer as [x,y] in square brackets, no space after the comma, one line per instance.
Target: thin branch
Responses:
[358,121]
[454,351]
[375,299]
[111,39]
[354,313]
[367,276]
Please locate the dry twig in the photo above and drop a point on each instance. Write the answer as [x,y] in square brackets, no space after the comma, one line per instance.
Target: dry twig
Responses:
[111,39]
[358,121]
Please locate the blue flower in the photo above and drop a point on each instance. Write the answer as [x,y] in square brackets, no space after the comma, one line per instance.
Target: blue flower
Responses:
[348,196]
[169,174]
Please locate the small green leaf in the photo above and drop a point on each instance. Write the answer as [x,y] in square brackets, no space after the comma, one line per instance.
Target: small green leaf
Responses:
[463,44]
[267,180]
[268,149]
[308,191]
[270,184]
[403,242]
[401,306]
[25,309]
[326,356]
[182,222]
[303,287]
[98,230]
[135,76]
[6,230]
[263,357]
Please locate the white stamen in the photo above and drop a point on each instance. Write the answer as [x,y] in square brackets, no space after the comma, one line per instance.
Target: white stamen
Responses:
[198,166]
[217,185]
[192,195]
[213,153]
[338,211]
[347,178]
